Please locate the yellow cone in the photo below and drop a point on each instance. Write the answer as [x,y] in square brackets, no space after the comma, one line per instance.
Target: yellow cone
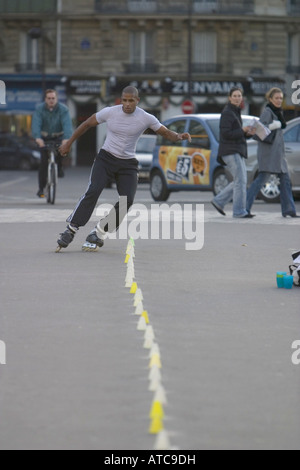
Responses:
[145,315]
[155,361]
[133,288]
[127,259]
[156,426]
[157,410]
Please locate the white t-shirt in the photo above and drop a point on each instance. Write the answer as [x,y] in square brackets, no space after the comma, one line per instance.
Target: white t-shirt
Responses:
[124,130]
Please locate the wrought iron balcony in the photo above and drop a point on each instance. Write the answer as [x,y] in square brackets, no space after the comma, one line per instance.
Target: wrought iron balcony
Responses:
[293,69]
[175,6]
[140,68]
[30,6]
[23,68]
[206,68]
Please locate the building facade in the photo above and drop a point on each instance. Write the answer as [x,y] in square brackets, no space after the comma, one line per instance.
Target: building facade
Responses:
[182,55]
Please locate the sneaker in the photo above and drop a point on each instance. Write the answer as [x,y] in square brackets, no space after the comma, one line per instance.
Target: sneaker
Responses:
[40,194]
[67,236]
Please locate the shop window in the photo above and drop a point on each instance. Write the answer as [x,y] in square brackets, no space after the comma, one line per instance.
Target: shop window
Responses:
[293,65]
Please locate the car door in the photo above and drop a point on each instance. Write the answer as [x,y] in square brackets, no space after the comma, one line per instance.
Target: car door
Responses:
[197,155]
[292,151]
[171,154]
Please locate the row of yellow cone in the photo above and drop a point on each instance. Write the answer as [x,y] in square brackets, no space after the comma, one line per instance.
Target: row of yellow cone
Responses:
[156,414]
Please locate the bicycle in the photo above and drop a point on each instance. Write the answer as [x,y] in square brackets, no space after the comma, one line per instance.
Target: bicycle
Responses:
[52,147]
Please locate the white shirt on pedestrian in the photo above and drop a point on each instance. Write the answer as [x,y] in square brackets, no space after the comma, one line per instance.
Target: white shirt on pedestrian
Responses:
[124,130]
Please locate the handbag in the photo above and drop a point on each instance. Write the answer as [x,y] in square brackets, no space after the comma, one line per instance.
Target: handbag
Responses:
[268,140]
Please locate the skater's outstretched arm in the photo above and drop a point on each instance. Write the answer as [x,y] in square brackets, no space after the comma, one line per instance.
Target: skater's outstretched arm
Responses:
[65,148]
[173,136]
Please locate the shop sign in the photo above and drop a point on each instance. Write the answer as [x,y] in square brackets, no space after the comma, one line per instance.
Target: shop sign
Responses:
[84,87]
[22,100]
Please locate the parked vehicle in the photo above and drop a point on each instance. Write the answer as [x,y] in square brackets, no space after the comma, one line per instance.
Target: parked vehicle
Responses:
[193,166]
[184,166]
[144,154]
[18,153]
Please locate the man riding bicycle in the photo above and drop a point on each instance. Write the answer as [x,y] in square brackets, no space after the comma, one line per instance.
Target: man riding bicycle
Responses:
[51,121]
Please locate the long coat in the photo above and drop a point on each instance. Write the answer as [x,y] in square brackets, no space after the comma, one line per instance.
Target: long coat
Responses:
[271,157]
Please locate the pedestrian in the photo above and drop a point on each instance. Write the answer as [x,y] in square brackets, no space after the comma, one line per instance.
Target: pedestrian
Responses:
[232,154]
[116,160]
[271,156]
[51,122]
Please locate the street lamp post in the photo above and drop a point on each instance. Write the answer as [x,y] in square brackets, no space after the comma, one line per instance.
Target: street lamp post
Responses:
[38,33]
[189,52]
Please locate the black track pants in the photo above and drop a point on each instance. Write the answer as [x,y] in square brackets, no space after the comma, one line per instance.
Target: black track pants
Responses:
[106,168]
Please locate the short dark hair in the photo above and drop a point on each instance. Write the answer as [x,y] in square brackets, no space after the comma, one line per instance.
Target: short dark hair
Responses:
[50,91]
[131,90]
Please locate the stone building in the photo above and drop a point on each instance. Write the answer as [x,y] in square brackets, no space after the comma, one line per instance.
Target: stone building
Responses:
[182,54]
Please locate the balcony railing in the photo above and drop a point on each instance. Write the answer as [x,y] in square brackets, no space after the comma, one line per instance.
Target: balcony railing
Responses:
[28,6]
[175,7]
[23,68]
[140,68]
[293,69]
[206,68]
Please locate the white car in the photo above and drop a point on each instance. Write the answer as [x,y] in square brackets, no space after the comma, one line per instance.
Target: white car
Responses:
[144,154]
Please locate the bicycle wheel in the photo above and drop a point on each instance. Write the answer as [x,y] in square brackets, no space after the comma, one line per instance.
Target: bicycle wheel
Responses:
[52,182]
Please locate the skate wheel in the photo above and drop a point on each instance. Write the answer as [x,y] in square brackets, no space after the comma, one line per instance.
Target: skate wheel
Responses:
[89,247]
[58,249]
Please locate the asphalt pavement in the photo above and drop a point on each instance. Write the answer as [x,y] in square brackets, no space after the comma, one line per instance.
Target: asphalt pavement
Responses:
[76,372]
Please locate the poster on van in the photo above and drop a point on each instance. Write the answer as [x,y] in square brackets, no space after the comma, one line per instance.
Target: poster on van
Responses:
[185,166]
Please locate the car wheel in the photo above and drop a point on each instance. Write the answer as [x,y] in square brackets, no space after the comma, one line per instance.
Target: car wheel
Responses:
[271,190]
[25,165]
[220,181]
[158,187]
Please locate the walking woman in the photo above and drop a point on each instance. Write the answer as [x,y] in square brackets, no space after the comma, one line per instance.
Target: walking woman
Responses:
[271,157]
[232,153]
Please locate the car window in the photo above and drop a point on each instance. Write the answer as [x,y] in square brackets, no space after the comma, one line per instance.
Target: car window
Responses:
[214,125]
[293,134]
[175,126]
[199,135]
[146,144]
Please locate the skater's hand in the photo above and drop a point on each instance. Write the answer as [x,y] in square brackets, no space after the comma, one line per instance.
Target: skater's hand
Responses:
[185,136]
[65,148]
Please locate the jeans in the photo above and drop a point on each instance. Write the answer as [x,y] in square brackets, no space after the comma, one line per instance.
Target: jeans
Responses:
[237,190]
[286,196]
[107,167]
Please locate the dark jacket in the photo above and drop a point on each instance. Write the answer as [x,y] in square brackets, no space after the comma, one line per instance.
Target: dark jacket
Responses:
[232,136]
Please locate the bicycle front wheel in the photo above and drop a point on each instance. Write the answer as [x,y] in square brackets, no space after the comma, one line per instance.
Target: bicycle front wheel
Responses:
[52,183]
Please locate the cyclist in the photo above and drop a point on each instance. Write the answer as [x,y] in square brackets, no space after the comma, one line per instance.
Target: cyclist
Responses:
[51,121]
